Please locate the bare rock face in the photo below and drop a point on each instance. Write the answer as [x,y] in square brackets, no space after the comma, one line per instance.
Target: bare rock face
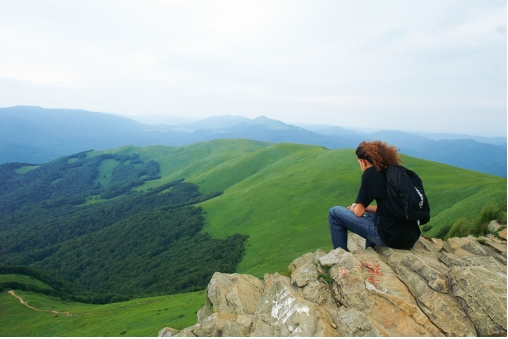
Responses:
[439,288]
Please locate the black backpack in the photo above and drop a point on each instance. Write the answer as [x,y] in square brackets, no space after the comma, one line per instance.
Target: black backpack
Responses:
[406,199]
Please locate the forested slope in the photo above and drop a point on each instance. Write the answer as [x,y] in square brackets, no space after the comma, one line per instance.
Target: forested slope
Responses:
[78,218]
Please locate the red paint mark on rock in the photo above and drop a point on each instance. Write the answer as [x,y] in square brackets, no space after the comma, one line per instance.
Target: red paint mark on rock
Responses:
[374,271]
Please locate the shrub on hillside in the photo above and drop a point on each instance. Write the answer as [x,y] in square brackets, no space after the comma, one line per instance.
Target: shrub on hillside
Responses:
[443,232]
[489,212]
[464,227]
[459,228]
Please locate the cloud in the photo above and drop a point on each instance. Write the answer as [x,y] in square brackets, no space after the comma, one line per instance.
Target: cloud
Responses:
[284,59]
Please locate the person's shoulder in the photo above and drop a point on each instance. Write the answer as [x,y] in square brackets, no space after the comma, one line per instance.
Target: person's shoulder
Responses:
[372,173]
[400,167]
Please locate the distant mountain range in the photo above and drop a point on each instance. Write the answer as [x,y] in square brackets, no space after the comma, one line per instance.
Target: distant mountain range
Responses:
[37,135]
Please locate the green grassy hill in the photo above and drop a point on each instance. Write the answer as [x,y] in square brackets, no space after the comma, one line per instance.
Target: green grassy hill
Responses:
[280,194]
[276,194]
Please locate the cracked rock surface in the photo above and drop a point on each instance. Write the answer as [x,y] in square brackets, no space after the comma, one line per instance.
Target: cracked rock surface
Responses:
[439,288]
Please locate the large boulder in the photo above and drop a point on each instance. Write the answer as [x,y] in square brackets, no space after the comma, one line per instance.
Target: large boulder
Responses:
[283,312]
[439,288]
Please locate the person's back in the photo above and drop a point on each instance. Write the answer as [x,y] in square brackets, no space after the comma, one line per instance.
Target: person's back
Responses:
[374,223]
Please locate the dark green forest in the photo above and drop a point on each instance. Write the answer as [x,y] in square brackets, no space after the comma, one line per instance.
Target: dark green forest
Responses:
[124,244]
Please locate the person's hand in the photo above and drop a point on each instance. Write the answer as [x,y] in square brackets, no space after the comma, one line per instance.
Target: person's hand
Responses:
[352,207]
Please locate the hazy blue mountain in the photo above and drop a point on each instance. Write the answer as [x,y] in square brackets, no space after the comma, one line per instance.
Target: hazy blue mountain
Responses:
[398,138]
[13,152]
[59,132]
[158,119]
[265,129]
[466,153]
[332,130]
[450,136]
[36,135]
[216,122]
[335,130]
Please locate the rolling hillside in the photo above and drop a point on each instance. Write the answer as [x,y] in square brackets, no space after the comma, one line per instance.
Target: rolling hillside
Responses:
[276,194]
[279,194]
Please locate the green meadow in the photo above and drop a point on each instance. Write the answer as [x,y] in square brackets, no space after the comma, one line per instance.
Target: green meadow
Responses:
[136,318]
[279,195]
[23,279]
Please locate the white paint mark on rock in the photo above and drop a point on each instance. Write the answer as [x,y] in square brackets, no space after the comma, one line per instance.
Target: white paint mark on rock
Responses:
[284,307]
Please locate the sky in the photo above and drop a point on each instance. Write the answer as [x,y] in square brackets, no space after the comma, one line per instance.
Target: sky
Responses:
[428,66]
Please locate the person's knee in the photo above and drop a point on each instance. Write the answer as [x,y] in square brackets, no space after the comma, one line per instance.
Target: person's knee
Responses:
[337,210]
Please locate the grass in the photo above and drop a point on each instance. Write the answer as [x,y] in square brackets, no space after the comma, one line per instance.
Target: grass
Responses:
[279,194]
[197,162]
[23,279]
[135,318]
[105,171]
[284,206]
[461,216]
[494,210]
[25,169]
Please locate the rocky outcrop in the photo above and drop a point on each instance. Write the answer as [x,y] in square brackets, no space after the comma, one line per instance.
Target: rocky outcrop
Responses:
[439,288]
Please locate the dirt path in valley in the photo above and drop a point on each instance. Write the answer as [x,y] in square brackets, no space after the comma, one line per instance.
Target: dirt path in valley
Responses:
[35,309]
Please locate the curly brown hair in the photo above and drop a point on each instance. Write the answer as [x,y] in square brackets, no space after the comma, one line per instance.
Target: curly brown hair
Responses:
[378,153]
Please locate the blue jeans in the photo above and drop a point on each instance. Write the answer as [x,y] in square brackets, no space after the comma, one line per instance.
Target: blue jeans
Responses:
[341,220]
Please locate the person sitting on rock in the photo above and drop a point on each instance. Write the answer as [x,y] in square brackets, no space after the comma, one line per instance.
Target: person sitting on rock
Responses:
[374,223]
